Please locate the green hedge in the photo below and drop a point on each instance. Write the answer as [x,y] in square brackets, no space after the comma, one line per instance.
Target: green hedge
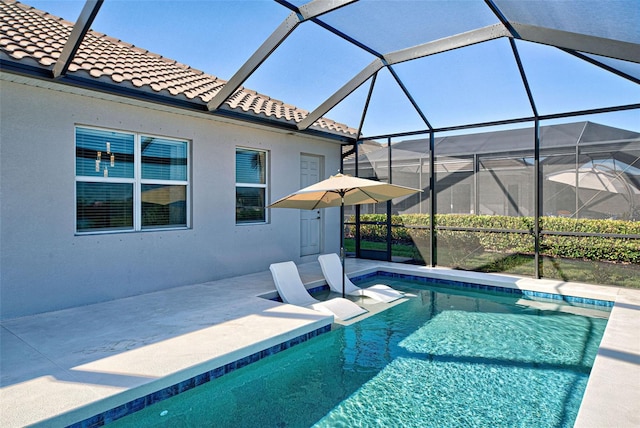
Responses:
[414,229]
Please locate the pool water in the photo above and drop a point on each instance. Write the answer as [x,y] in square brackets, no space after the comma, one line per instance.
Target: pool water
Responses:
[444,358]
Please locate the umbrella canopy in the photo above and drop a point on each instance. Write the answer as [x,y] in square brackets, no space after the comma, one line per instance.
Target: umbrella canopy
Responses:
[594,179]
[340,190]
[164,195]
[599,180]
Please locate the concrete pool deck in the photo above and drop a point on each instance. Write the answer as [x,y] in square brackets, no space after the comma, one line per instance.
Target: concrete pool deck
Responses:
[62,367]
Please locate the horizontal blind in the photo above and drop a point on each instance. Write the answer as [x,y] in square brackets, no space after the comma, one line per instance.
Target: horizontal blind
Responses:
[163,159]
[250,166]
[104,206]
[101,153]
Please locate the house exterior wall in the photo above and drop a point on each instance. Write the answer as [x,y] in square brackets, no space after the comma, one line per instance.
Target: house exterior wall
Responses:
[45,265]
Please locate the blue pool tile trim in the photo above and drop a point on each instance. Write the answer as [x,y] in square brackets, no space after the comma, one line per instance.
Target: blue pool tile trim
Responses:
[155,397]
[472,286]
[484,287]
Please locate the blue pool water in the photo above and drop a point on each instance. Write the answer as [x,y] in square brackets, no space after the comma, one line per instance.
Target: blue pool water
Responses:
[444,358]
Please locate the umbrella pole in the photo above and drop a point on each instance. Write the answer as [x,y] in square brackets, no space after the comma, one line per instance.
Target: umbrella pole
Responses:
[342,240]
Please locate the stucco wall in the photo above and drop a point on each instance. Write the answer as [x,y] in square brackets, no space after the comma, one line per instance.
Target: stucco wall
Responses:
[45,266]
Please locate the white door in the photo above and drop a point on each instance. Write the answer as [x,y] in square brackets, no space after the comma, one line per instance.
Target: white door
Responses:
[309,219]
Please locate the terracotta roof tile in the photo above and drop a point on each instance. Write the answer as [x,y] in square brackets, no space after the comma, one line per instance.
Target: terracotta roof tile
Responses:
[28,34]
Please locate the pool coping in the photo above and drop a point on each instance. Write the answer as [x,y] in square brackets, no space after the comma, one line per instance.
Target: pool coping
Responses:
[611,396]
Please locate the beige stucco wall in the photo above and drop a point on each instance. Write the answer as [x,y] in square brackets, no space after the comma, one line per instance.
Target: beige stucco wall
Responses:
[46,266]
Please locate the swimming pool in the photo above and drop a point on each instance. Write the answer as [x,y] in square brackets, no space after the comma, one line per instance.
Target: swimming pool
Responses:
[446,357]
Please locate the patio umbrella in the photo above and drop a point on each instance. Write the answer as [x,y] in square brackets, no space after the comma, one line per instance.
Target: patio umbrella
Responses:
[340,190]
[595,178]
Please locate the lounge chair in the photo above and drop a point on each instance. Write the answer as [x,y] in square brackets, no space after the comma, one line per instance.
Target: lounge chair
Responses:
[332,271]
[293,291]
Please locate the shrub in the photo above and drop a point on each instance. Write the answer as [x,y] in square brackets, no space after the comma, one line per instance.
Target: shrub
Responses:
[414,228]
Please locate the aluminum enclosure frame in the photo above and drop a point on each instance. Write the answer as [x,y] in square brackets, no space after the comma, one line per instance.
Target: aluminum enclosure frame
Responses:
[574,44]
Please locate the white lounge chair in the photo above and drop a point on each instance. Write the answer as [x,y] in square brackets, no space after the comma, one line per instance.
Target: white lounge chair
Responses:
[292,290]
[332,271]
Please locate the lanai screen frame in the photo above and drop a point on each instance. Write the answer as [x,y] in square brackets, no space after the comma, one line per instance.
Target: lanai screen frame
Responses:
[576,44]
[582,46]
[538,232]
[571,43]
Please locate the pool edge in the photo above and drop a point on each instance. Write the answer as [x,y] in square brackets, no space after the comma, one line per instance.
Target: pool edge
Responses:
[613,294]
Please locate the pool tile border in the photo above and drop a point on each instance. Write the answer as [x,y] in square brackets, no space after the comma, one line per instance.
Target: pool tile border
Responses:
[473,286]
[485,287]
[170,391]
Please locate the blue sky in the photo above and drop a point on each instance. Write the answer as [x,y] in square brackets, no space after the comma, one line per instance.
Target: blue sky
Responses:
[475,84]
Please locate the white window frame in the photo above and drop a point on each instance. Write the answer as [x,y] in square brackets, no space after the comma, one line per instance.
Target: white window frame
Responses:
[137,181]
[264,186]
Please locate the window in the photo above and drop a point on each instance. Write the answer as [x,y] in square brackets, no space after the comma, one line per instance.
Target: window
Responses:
[251,186]
[128,181]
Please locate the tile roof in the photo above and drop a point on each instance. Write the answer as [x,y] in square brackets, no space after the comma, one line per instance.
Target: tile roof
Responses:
[33,37]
